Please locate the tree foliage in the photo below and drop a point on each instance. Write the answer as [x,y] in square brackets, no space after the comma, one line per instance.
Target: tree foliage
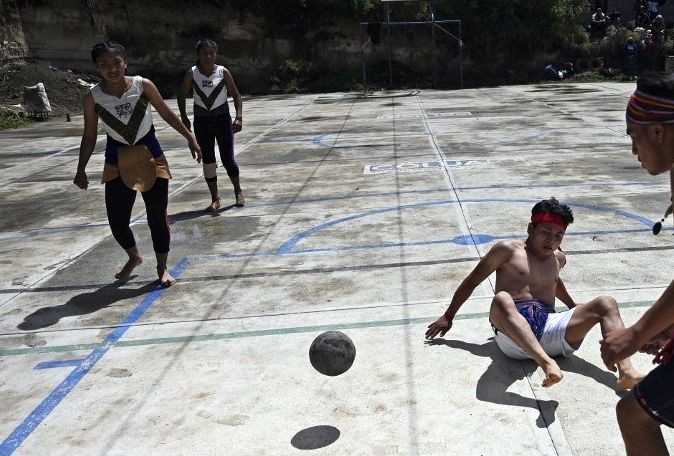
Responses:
[514,30]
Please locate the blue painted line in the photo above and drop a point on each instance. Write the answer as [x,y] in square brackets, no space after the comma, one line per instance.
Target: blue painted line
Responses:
[289,245]
[33,420]
[62,363]
[318,141]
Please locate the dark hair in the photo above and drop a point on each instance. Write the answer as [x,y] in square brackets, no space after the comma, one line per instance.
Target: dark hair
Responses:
[657,84]
[107,46]
[554,207]
[206,43]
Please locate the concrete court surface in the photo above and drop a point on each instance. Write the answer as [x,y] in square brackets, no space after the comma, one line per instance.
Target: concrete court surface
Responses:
[363,215]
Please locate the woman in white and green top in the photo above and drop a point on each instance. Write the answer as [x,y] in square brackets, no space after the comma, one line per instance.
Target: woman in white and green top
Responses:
[134,160]
[212,121]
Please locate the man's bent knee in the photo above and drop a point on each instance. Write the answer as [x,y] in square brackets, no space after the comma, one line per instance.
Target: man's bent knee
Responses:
[604,304]
[502,299]
[501,304]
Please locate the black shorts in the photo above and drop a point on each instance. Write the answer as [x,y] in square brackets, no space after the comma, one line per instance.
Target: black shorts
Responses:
[655,394]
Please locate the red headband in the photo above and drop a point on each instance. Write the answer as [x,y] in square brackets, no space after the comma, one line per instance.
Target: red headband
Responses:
[549,217]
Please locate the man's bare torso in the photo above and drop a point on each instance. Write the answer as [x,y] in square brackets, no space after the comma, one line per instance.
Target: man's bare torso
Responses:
[525,276]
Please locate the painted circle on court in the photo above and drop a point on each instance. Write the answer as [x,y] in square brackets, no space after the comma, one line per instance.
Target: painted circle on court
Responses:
[475,239]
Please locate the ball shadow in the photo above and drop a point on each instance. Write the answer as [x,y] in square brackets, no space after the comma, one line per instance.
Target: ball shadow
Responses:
[315,437]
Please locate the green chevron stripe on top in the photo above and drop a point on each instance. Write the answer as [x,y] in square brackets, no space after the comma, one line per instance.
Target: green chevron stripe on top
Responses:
[210,99]
[130,130]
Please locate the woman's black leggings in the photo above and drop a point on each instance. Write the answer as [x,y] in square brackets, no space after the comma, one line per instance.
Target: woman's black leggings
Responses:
[119,201]
[209,129]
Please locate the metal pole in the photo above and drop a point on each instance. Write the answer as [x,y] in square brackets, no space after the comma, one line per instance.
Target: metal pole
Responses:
[461,53]
[430,3]
[390,46]
[362,57]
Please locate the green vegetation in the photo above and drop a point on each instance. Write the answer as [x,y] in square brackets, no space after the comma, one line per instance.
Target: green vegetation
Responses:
[14,121]
[503,41]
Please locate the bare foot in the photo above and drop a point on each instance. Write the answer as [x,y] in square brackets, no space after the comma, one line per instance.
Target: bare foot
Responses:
[553,374]
[214,206]
[628,378]
[165,278]
[128,268]
[240,200]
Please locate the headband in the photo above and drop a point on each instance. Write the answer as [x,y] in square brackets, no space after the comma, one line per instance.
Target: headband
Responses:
[648,109]
[549,217]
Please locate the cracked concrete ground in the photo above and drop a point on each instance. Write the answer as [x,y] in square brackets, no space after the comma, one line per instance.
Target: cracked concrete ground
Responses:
[363,215]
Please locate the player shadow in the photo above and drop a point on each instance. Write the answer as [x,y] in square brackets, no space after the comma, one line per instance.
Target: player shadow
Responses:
[503,372]
[191,215]
[83,304]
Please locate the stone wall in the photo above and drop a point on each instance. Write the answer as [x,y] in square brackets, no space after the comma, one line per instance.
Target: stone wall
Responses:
[160,37]
[12,40]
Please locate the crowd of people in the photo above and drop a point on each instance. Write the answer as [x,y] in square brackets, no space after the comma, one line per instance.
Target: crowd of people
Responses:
[645,53]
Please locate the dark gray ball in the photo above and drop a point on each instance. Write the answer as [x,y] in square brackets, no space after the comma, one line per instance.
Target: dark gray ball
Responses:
[332,353]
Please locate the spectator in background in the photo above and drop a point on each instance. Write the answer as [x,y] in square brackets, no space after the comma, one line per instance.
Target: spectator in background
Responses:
[640,5]
[658,30]
[598,23]
[631,55]
[647,53]
[642,20]
[652,9]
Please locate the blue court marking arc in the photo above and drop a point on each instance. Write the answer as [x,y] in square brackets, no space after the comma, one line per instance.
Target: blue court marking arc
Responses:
[289,246]
[48,231]
[33,420]
[61,363]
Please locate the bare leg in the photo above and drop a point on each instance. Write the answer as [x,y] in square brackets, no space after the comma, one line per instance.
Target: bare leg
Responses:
[165,278]
[238,193]
[641,434]
[504,315]
[602,310]
[134,260]
[215,197]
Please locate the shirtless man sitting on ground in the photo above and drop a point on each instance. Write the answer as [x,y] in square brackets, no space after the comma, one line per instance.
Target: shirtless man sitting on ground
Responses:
[522,313]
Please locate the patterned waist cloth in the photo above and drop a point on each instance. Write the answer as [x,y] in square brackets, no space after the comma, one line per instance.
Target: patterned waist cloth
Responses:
[535,312]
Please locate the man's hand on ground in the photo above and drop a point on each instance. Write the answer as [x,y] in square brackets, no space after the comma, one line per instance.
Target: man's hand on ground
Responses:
[440,326]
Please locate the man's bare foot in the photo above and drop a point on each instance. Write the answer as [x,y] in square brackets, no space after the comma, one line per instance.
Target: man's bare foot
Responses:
[165,279]
[553,374]
[628,378]
[128,268]
[214,206]
[240,200]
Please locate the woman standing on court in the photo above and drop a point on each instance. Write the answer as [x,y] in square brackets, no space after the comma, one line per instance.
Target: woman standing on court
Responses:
[134,160]
[212,121]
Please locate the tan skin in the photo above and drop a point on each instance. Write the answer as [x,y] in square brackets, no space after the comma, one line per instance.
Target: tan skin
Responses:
[530,270]
[653,145]
[112,68]
[207,57]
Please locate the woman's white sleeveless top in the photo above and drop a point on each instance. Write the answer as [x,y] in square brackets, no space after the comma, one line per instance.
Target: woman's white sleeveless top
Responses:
[128,118]
[209,92]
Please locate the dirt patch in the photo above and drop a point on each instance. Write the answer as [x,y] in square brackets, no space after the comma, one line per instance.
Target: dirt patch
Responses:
[64,89]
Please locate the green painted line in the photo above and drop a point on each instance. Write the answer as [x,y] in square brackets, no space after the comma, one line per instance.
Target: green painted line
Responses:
[47,349]
[261,333]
